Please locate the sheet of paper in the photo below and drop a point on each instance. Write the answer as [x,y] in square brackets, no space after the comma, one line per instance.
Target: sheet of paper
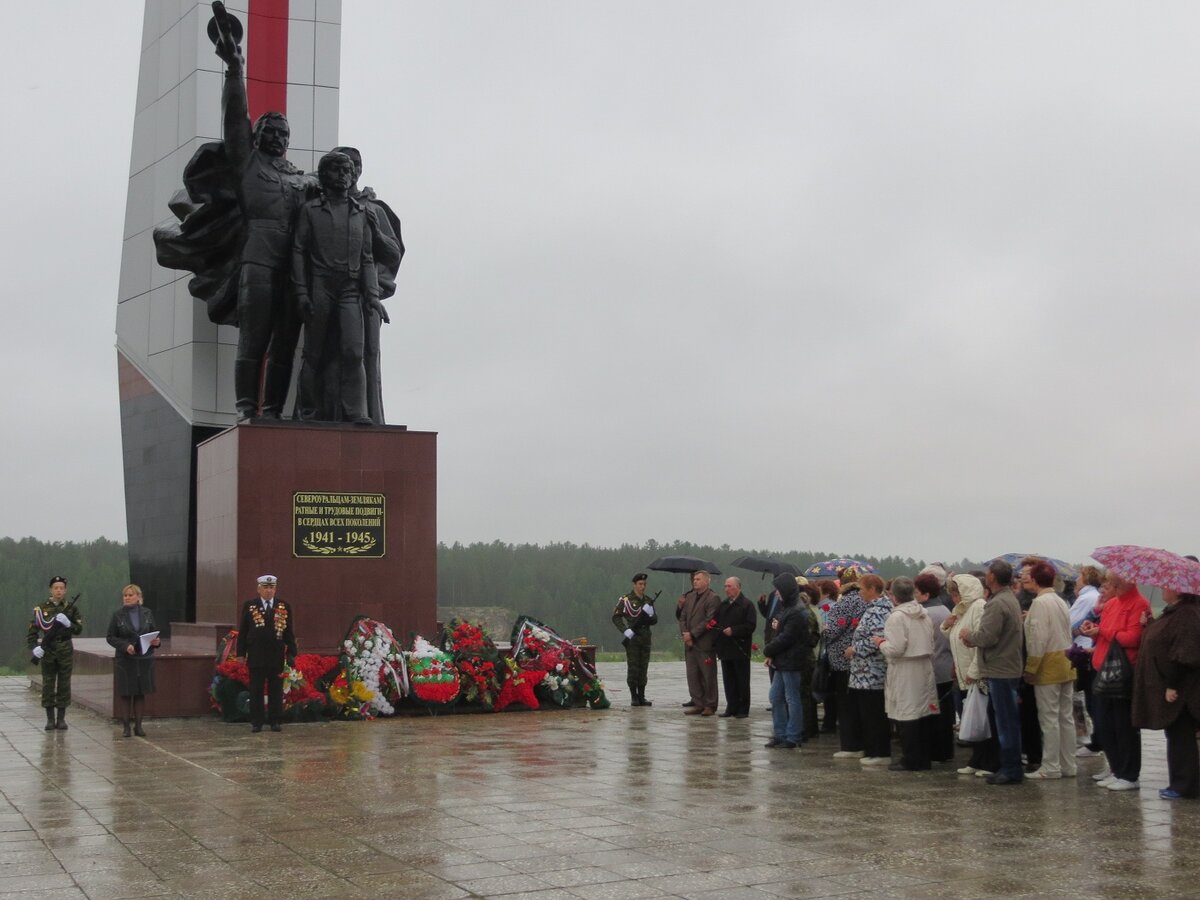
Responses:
[146,639]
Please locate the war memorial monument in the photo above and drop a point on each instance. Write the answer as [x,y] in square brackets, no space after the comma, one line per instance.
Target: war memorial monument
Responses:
[255,277]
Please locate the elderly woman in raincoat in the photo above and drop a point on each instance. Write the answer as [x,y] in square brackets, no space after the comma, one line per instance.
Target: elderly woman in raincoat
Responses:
[910,692]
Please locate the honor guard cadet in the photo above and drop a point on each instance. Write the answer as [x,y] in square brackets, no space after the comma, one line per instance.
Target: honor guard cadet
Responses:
[53,625]
[633,617]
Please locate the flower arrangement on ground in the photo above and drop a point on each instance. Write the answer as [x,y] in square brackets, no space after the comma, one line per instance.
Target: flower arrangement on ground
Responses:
[432,676]
[372,658]
[477,661]
[304,686]
[568,679]
[519,687]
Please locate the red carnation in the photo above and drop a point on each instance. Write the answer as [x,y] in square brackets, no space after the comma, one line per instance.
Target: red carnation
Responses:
[825,607]
[712,623]
[843,621]
[754,647]
[854,622]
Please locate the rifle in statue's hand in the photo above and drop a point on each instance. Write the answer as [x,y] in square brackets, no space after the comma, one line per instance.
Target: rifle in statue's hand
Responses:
[52,629]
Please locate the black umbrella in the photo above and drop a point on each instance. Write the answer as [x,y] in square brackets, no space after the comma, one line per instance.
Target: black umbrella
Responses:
[766,565]
[686,564]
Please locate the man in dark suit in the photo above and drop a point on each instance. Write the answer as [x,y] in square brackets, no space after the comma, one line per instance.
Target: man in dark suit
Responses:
[736,621]
[267,639]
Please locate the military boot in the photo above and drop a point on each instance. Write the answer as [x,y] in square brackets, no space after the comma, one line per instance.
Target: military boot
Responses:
[49,718]
[61,725]
[642,697]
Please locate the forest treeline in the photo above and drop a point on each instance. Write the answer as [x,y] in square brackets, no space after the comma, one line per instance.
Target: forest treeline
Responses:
[96,569]
[572,587]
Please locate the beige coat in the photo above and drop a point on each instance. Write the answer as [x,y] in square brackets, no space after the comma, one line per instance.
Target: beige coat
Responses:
[909,692]
[1047,637]
[967,615]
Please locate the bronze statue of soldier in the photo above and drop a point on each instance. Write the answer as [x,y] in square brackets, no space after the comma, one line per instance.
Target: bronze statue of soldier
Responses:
[241,197]
[334,279]
[388,250]
[238,213]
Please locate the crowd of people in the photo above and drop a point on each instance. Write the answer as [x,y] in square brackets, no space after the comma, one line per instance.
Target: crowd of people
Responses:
[989,659]
[993,660]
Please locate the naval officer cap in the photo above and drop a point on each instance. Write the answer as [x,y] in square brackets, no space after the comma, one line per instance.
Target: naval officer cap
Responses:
[267,579]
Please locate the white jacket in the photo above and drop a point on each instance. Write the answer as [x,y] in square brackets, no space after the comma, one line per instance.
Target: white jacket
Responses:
[909,692]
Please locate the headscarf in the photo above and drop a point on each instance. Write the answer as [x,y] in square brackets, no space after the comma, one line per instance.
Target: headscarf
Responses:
[970,589]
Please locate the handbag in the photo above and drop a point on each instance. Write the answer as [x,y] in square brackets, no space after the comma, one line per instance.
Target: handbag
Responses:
[822,683]
[1115,676]
[974,725]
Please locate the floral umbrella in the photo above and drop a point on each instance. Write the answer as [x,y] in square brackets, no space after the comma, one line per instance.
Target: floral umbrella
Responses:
[1150,565]
[830,567]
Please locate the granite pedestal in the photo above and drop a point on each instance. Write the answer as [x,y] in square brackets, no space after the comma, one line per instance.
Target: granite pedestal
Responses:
[247,482]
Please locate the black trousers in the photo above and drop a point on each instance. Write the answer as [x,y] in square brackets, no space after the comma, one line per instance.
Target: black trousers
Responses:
[942,735]
[1183,757]
[812,726]
[273,681]
[872,718]
[1031,728]
[735,678]
[916,742]
[850,733]
[830,704]
[1083,682]
[1122,743]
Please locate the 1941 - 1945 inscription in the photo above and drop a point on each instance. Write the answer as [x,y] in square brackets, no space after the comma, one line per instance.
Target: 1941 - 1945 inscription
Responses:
[341,524]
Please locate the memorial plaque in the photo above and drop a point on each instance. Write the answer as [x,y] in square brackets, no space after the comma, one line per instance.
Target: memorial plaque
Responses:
[338,524]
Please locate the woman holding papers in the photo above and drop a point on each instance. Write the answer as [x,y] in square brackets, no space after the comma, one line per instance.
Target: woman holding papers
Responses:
[133,635]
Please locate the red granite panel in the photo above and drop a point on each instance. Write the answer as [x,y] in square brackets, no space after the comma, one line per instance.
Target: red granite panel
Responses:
[275,461]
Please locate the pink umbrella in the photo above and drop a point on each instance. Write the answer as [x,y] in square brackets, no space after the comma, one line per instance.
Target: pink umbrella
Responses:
[1149,565]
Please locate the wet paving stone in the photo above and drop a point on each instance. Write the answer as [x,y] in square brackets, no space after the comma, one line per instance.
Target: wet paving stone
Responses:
[624,803]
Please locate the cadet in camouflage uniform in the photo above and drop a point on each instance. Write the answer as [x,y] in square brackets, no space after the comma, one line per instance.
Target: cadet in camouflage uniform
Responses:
[633,617]
[50,631]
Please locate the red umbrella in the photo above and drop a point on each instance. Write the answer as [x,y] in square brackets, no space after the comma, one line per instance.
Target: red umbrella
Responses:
[1150,565]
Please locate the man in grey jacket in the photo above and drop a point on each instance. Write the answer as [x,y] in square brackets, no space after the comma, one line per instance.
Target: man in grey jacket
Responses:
[998,638]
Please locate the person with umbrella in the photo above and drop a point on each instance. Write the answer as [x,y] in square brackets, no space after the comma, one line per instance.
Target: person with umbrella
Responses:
[53,625]
[697,615]
[736,621]
[633,617]
[1122,620]
[1167,689]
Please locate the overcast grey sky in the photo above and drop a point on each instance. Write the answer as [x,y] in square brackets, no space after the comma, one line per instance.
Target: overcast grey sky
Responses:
[912,278]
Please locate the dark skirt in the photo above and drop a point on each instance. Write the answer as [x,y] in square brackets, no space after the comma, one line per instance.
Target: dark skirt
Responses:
[133,675]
